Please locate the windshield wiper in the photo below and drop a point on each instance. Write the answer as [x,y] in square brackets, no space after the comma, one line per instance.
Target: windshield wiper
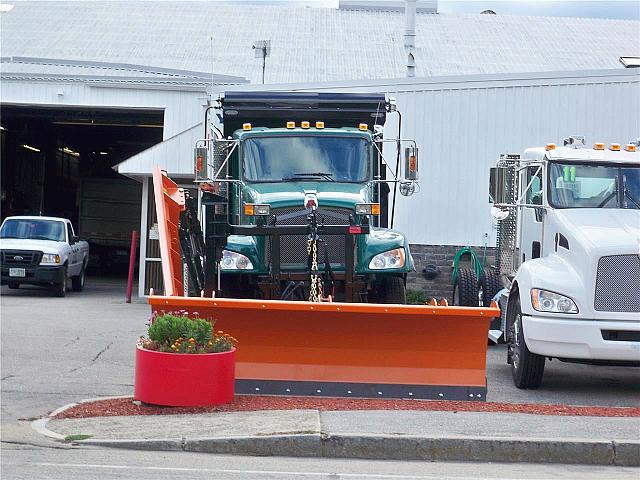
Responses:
[634,200]
[302,176]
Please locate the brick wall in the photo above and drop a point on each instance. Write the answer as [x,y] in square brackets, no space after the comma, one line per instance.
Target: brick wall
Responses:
[441,256]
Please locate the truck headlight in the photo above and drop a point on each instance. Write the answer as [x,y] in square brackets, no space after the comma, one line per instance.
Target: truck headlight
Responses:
[50,258]
[235,261]
[390,259]
[545,301]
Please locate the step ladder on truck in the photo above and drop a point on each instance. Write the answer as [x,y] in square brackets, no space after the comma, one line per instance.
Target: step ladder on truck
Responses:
[568,253]
[290,250]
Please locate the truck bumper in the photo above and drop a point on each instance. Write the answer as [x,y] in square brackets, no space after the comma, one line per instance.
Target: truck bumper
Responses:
[582,339]
[39,275]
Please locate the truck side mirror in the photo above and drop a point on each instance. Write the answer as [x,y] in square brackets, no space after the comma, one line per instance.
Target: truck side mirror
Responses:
[74,239]
[411,163]
[497,183]
[201,159]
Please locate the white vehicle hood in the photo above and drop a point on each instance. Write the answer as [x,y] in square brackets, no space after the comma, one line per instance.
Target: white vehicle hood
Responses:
[602,227]
[46,246]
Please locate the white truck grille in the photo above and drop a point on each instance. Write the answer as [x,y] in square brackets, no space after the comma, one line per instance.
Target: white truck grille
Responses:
[618,284]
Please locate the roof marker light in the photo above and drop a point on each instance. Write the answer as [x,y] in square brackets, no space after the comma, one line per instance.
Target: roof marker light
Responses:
[319,124]
[291,124]
[598,146]
[631,147]
[550,146]
[615,147]
[364,127]
[246,126]
[305,124]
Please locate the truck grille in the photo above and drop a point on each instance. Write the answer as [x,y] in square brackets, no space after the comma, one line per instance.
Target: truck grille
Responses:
[293,248]
[20,258]
[618,284]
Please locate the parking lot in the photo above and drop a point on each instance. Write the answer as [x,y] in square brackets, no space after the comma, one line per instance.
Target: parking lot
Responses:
[60,350]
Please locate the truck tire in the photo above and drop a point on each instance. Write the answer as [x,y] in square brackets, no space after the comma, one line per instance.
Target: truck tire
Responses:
[60,289]
[77,282]
[14,285]
[392,290]
[489,285]
[527,368]
[465,290]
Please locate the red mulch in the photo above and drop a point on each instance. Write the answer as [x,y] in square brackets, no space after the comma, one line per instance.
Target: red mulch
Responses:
[241,403]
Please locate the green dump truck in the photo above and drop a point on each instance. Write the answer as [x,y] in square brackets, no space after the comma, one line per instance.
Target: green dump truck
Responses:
[297,200]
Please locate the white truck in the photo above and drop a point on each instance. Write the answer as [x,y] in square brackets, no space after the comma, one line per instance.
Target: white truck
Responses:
[568,249]
[42,251]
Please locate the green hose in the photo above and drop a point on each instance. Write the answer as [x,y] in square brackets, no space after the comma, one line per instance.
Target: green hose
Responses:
[477,264]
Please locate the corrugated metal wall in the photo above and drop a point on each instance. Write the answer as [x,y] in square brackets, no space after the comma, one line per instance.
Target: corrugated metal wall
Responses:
[462,125]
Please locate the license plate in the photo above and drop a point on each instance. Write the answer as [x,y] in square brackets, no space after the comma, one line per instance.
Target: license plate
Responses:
[17,272]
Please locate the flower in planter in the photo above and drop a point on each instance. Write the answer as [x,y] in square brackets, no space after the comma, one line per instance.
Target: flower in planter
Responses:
[177,332]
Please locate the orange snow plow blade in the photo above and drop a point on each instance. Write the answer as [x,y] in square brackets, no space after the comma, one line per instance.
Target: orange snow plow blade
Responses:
[349,349]
[170,202]
[333,349]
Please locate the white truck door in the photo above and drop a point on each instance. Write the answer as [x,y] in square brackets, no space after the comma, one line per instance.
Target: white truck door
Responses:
[531,219]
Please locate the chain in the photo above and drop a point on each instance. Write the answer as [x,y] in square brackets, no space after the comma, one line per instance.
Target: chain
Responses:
[315,291]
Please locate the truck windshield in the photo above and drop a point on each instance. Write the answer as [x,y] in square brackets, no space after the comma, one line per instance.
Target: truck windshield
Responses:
[299,158]
[33,229]
[594,186]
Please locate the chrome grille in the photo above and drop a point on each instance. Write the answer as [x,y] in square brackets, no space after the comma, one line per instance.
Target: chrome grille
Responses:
[20,258]
[618,284]
[293,248]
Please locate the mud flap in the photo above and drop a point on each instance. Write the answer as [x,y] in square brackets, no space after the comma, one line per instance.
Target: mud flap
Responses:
[344,349]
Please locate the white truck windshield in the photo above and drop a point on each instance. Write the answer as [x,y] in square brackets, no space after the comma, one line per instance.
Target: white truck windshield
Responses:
[33,229]
[593,186]
[300,158]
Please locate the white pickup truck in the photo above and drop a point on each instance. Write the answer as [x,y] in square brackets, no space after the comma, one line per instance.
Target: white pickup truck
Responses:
[42,251]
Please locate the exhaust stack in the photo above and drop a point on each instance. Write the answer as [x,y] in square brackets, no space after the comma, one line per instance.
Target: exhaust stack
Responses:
[410,36]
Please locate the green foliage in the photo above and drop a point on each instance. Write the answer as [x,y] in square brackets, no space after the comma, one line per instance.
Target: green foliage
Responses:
[178,333]
[416,297]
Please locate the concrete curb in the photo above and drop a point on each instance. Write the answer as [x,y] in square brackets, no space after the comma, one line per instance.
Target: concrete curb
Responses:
[399,447]
[384,447]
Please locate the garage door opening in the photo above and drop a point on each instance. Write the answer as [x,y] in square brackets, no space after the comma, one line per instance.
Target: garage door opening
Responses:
[59,162]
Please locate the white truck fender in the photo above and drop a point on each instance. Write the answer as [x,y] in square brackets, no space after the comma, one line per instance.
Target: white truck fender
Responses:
[552,273]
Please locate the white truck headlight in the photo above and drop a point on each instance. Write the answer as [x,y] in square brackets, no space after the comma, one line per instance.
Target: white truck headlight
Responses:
[50,258]
[390,259]
[545,301]
[235,261]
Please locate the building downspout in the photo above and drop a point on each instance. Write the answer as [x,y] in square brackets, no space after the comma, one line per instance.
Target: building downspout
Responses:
[410,36]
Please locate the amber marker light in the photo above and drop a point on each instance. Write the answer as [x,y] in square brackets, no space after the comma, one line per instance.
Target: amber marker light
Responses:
[246,126]
[598,146]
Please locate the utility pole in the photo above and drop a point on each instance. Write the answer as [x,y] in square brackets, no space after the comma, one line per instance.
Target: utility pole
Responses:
[410,36]
[263,50]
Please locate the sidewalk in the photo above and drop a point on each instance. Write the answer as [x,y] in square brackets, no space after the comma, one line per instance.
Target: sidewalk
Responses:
[374,434]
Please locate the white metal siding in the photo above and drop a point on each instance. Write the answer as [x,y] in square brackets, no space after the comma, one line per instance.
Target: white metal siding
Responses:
[182,109]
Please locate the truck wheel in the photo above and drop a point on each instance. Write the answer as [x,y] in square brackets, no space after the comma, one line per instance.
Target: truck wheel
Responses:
[526,368]
[14,285]
[392,290]
[465,290]
[489,285]
[60,289]
[77,282]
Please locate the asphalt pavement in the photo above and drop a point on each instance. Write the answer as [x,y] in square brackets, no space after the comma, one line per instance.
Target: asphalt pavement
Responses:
[60,350]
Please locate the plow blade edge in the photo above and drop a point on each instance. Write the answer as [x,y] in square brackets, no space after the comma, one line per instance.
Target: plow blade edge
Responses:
[350,350]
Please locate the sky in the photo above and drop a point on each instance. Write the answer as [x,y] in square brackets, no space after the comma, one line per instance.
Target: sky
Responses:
[621,9]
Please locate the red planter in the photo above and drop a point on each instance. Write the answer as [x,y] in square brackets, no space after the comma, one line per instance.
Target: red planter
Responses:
[184,380]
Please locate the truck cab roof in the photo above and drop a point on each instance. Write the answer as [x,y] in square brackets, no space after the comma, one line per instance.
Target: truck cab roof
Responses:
[582,155]
[282,131]
[36,217]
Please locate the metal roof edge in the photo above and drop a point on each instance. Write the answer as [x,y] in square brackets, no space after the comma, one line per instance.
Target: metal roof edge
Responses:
[456,81]
[116,81]
[122,66]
